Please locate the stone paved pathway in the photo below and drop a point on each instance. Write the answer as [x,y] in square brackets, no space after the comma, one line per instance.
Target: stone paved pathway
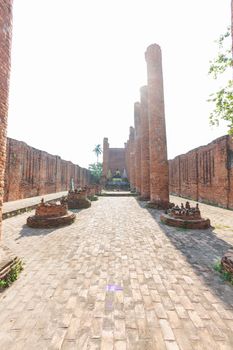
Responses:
[118,279]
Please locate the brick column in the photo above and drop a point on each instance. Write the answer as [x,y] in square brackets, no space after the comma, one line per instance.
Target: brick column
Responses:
[145,151]
[127,160]
[78,177]
[126,165]
[5,48]
[84,177]
[132,157]
[81,177]
[105,158]
[159,183]
[137,123]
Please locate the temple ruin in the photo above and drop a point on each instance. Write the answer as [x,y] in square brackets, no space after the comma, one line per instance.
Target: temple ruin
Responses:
[146,150]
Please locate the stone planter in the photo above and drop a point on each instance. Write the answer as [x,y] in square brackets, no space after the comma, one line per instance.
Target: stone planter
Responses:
[77,200]
[185,217]
[50,215]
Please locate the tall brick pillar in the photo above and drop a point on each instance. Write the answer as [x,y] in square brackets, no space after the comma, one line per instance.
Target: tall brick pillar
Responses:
[105,157]
[81,177]
[132,157]
[5,48]
[145,151]
[127,160]
[159,182]
[137,123]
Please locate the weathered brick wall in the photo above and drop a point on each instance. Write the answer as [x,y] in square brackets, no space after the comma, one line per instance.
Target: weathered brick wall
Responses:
[31,172]
[5,46]
[113,159]
[116,160]
[188,173]
[138,136]
[127,159]
[205,173]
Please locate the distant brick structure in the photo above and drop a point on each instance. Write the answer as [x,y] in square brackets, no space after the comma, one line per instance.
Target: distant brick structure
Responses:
[138,136]
[105,157]
[145,151]
[113,159]
[205,174]
[5,47]
[31,172]
[132,178]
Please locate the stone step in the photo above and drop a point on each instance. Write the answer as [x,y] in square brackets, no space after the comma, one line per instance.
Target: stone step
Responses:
[118,194]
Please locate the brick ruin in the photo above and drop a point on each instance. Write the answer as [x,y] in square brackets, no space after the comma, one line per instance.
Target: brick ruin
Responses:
[113,159]
[5,47]
[30,172]
[146,149]
[50,215]
[186,217]
[77,199]
[204,174]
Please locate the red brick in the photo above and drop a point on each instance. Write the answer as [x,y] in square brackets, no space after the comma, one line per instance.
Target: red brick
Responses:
[132,157]
[5,47]
[113,159]
[137,123]
[159,182]
[205,174]
[145,151]
[31,172]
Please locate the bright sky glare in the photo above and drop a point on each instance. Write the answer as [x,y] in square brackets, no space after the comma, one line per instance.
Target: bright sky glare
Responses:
[77,66]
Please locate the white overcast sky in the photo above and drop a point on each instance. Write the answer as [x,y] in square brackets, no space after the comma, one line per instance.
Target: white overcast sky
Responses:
[77,67]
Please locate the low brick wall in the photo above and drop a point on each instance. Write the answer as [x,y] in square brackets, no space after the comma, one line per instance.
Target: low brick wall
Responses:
[31,172]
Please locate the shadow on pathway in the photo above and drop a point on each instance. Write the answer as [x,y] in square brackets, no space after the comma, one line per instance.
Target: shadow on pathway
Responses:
[27,231]
[202,249]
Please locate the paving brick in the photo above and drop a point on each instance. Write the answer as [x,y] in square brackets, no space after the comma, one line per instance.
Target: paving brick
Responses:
[102,283]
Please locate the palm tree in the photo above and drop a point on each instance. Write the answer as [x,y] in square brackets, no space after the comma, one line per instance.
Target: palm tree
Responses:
[97,150]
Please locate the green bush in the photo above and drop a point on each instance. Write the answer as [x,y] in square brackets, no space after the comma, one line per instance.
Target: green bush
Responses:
[11,276]
[226,276]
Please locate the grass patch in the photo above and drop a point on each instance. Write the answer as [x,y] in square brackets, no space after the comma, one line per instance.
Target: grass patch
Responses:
[93,198]
[181,229]
[226,276]
[219,226]
[11,276]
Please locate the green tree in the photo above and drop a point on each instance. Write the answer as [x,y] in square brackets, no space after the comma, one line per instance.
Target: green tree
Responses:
[97,150]
[96,171]
[223,98]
